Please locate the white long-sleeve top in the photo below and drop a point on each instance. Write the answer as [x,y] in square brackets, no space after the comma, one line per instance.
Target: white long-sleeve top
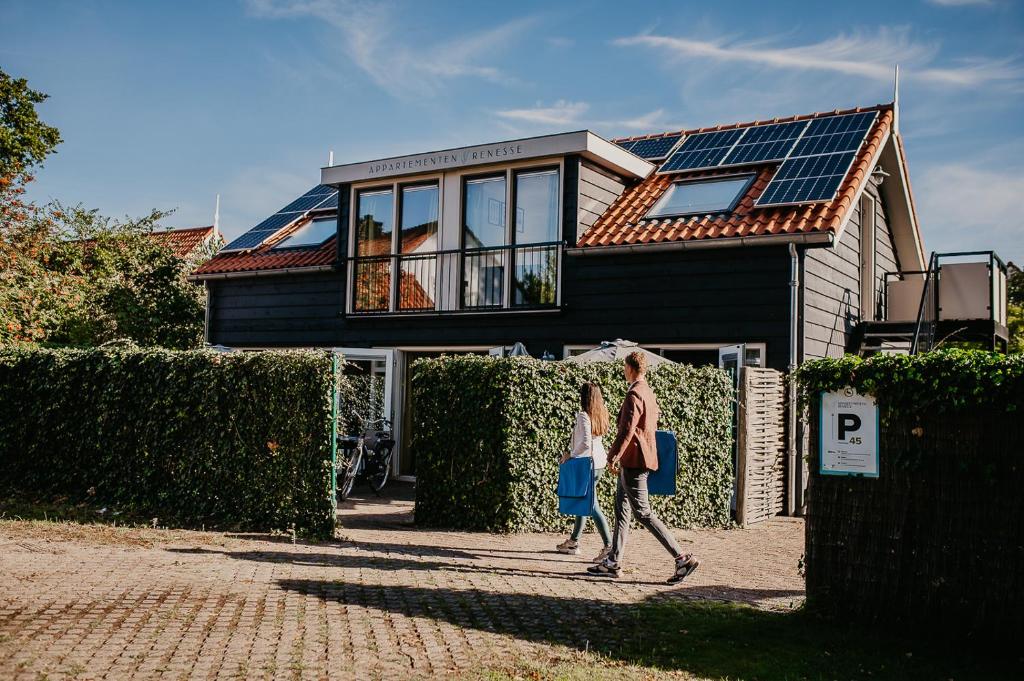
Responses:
[585,443]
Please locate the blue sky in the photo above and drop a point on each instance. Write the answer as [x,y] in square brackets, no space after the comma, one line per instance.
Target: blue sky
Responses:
[165,105]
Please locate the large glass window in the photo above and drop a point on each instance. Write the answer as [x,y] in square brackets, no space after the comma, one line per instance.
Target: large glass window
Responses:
[484,227]
[701,197]
[484,212]
[536,207]
[418,235]
[374,217]
[313,233]
[419,219]
[535,280]
[374,226]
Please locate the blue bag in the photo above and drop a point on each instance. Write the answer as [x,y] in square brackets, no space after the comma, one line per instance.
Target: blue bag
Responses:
[576,486]
[663,480]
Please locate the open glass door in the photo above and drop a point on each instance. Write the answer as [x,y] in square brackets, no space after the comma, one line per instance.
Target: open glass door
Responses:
[731,358]
[371,371]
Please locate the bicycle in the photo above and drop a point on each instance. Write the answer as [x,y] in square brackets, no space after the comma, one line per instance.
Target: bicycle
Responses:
[368,455]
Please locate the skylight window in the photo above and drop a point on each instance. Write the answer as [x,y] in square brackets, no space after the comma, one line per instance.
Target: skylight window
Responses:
[313,233]
[701,197]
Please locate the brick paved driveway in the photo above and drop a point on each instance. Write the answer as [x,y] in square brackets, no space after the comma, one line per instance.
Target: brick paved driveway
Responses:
[387,601]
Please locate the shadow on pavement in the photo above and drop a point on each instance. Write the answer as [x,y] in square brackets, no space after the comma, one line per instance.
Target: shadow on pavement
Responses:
[672,632]
[358,561]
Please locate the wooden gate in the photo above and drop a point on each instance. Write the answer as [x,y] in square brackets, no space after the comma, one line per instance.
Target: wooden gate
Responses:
[761,445]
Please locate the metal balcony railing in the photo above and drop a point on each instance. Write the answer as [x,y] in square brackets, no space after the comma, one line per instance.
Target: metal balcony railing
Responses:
[956,290]
[517,277]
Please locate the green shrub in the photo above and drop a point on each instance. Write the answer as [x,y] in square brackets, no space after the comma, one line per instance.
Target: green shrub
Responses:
[486,434]
[240,440]
[931,382]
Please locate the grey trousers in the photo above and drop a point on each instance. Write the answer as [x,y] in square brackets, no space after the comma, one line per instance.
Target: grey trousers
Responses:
[633,489]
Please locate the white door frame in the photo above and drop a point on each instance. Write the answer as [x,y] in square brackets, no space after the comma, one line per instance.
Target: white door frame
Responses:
[386,355]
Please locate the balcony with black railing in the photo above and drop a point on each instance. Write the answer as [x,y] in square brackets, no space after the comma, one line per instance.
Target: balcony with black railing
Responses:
[960,298]
[517,277]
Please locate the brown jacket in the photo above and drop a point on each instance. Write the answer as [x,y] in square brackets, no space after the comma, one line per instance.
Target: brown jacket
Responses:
[635,445]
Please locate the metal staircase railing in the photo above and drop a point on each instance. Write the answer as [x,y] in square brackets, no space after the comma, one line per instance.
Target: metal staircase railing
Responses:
[926,325]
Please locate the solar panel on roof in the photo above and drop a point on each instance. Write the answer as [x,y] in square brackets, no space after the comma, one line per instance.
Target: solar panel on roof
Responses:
[655,147]
[329,202]
[765,143]
[834,134]
[304,203]
[251,239]
[626,144]
[319,189]
[819,161]
[319,197]
[702,150]
[807,179]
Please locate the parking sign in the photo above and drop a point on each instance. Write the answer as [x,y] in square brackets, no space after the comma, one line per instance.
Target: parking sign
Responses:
[848,434]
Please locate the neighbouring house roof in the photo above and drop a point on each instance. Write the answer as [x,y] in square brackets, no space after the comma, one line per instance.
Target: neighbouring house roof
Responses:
[625,220]
[184,241]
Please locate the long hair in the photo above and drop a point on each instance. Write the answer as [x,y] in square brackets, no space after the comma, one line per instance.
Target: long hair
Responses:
[592,402]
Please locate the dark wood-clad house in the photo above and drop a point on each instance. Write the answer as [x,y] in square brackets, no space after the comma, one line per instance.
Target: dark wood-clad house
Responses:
[776,236]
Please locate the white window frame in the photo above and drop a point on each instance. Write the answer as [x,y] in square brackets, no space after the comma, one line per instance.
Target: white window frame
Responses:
[868,257]
[447,223]
[749,177]
[395,187]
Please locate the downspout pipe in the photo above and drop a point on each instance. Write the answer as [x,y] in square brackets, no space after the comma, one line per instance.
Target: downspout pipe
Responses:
[794,469]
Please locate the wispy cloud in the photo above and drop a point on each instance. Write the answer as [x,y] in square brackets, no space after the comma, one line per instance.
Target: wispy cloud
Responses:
[862,54]
[563,114]
[403,65]
[559,113]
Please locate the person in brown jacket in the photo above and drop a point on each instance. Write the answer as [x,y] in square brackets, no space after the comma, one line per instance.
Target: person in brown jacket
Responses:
[635,454]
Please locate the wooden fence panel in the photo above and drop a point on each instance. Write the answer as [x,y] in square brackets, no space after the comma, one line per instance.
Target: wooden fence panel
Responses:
[761,444]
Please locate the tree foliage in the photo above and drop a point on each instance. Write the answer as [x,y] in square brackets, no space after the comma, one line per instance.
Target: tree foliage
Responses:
[24,139]
[1015,307]
[71,276]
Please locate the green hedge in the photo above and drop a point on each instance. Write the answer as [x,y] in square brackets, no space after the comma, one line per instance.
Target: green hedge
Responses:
[486,434]
[936,538]
[194,438]
[932,382]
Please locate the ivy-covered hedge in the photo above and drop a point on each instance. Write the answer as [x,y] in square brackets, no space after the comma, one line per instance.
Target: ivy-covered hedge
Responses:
[934,542]
[193,438]
[487,433]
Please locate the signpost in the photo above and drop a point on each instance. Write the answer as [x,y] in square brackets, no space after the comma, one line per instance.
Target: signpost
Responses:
[848,434]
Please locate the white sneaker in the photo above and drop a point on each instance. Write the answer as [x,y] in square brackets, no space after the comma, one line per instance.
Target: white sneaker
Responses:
[569,546]
[601,556]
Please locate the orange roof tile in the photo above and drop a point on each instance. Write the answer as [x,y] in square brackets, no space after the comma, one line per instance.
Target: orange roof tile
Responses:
[184,241]
[624,222]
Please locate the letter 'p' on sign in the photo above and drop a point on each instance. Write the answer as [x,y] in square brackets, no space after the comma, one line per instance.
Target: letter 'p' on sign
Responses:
[848,423]
[848,434]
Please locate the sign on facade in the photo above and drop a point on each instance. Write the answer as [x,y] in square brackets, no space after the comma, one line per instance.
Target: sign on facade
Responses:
[848,434]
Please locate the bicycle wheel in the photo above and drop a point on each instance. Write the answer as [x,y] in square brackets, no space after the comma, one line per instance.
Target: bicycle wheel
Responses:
[348,478]
[379,478]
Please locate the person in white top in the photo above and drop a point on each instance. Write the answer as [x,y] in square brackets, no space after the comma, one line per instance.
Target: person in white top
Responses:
[591,423]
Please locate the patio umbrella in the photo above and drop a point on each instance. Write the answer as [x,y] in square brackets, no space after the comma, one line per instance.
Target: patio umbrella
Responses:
[616,351]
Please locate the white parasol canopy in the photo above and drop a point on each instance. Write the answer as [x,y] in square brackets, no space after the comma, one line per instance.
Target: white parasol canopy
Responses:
[616,351]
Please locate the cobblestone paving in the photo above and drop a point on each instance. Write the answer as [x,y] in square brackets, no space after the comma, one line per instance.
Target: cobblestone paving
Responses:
[386,601]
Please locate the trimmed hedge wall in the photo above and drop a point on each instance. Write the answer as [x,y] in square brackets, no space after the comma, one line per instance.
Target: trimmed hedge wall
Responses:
[936,542]
[196,437]
[487,432]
